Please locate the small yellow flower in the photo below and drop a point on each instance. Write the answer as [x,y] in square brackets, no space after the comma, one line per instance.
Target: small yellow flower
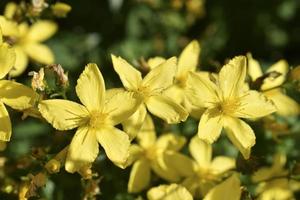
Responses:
[150,90]
[95,120]
[225,101]
[13,94]
[169,192]
[285,105]
[26,41]
[272,181]
[150,154]
[60,9]
[207,171]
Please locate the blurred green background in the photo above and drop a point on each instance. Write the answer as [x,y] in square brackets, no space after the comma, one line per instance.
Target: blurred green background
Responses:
[136,29]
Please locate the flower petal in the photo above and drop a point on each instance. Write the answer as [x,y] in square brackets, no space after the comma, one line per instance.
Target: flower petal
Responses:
[281,67]
[240,134]
[169,192]
[221,164]
[121,106]
[16,95]
[39,52]
[130,77]
[170,141]
[63,114]
[210,126]
[134,123]
[232,76]
[90,88]
[21,62]
[165,169]
[156,61]
[286,106]
[162,76]
[139,178]
[253,105]
[228,189]
[7,59]
[83,149]
[115,143]
[164,108]
[5,124]
[254,69]
[147,136]
[201,151]
[41,31]
[188,58]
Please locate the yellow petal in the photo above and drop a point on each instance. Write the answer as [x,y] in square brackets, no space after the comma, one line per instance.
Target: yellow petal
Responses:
[162,76]
[176,93]
[10,9]
[139,178]
[221,164]
[16,95]
[170,141]
[21,62]
[210,126]
[147,136]
[130,77]
[201,92]
[285,105]
[254,104]
[254,69]
[134,123]
[115,143]
[7,59]
[135,153]
[169,192]
[121,106]
[156,61]
[41,31]
[83,150]
[281,67]
[5,124]
[188,59]
[201,151]
[240,134]
[232,76]
[90,88]
[40,53]
[184,166]
[8,27]
[164,170]
[63,114]
[228,189]
[164,108]
[194,186]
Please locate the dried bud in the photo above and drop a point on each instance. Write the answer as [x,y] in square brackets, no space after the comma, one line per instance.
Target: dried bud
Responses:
[295,74]
[53,166]
[37,82]
[86,172]
[62,76]
[2,146]
[61,9]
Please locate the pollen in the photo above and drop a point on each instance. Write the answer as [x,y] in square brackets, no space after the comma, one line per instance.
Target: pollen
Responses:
[97,119]
[227,106]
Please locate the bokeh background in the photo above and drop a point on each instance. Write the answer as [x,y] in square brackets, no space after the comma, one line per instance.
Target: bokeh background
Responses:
[139,29]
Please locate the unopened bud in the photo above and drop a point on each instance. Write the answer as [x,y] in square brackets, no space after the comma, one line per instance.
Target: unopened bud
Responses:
[61,9]
[53,166]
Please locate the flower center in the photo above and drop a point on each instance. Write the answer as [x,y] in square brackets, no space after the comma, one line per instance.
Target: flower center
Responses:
[151,153]
[180,81]
[206,174]
[97,119]
[144,92]
[227,107]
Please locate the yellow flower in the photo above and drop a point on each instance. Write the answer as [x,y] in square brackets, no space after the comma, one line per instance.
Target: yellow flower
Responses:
[13,94]
[229,189]
[169,192]
[273,181]
[150,154]
[285,105]
[60,9]
[150,90]
[226,100]
[206,171]
[95,120]
[26,41]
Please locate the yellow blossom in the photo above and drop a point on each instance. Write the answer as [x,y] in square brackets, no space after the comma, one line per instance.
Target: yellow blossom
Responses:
[150,90]
[169,192]
[95,120]
[26,41]
[150,154]
[273,183]
[13,94]
[206,171]
[226,99]
[285,105]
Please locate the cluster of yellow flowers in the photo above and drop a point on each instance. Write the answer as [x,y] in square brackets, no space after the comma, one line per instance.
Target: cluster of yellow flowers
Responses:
[171,90]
